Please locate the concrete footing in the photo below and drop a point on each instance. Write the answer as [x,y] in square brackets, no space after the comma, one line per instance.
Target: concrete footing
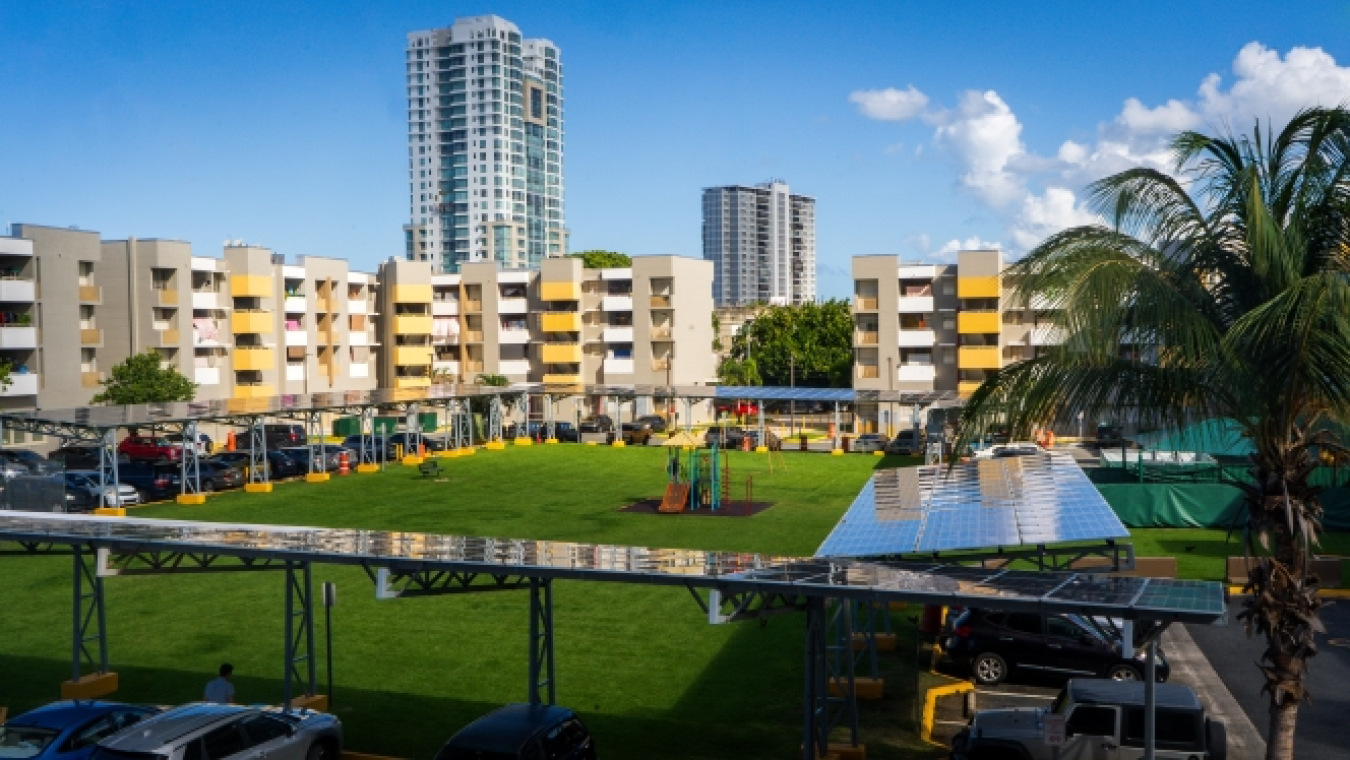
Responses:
[863,688]
[836,452]
[412,460]
[258,487]
[89,687]
[367,468]
[110,511]
[495,445]
[316,702]
[190,498]
[885,642]
[316,477]
[618,443]
[522,441]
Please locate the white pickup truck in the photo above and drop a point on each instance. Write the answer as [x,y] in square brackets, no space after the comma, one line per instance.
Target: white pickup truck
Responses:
[1104,720]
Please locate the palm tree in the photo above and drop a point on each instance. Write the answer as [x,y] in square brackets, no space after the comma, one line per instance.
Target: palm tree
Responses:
[1220,292]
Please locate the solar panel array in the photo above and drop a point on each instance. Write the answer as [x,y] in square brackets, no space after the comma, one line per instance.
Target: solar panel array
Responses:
[919,582]
[1027,500]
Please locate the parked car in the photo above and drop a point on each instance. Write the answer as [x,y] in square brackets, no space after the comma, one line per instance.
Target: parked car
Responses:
[1004,450]
[597,423]
[656,422]
[566,432]
[81,457]
[227,732]
[218,476]
[330,457]
[353,444]
[147,448]
[870,442]
[43,493]
[403,439]
[635,433]
[204,443]
[993,644]
[1104,719]
[726,436]
[278,464]
[68,730]
[85,484]
[522,731]
[155,482]
[906,443]
[10,469]
[34,461]
[275,436]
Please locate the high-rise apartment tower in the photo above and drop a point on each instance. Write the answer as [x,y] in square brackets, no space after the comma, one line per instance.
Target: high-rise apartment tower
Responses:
[762,242]
[485,146]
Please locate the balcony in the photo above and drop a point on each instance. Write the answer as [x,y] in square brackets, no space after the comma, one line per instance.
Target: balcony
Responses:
[254,390]
[979,357]
[916,338]
[91,337]
[358,338]
[515,337]
[616,303]
[978,287]
[916,272]
[169,338]
[254,358]
[18,291]
[868,371]
[560,321]
[410,294]
[978,322]
[513,306]
[295,305]
[661,364]
[297,338]
[662,302]
[514,366]
[412,356]
[562,379]
[91,294]
[472,367]
[362,306]
[90,379]
[916,373]
[865,303]
[446,308]
[18,336]
[473,307]
[251,286]
[255,322]
[209,299]
[865,338]
[967,387]
[562,353]
[661,332]
[166,297]
[617,334]
[450,366]
[560,291]
[412,324]
[619,366]
[361,369]
[412,381]
[21,384]
[295,372]
[617,273]
[206,375]
[1042,302]
[473,336]
[914,304]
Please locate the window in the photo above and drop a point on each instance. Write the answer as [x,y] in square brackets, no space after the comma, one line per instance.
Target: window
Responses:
[1063,629]
[1091,720]
[1174,729]
[223,742]
[259,729]
[1024,623]
[90,735]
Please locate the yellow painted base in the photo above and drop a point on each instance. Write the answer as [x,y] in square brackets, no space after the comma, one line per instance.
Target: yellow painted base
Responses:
[110,511]
[367,468]
[761,449]
[885,642]
[448,454]
[258,487]
[190,498]
[878,453]
[618,443]
[930,698]
[524,441]
[468,452]
[863,688]
[592,443]
[316,477]
[90,686]
[495,445]
[316,702]
[550,440]
[837,452]
[412,460]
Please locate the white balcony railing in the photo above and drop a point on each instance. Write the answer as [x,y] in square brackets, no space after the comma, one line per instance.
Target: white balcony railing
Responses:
[295,373]
[357,306]
[208,300]
[617,303]
[207,376]
[507,306]
[445,308]
[18,337]
[295,305]
[359,370]
[916,373]
[21,384]
[618,334]
[618,366]
[514,366]
[917,338]
[297,337]
[358,338]
[914,304]
[513,337]
[18,291]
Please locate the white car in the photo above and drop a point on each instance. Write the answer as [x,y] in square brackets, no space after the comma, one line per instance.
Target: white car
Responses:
[118,494]
[205,731]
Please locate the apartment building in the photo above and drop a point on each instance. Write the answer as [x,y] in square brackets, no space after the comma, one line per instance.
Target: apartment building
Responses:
[762,242]
[937,327]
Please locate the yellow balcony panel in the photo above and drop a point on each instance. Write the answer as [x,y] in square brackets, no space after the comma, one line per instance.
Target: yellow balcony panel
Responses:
[412,324]
[562,353]
[251,322]
[169,338]
[972,322]
[415,356]
[91,337]
[966,387]
[562,379]
[90,379]
[978,287]
[561,322]
[560,291]
[979,357]
[258,390]
[254,358]
[412,382]
[251,286]
[411,293]
[90,294]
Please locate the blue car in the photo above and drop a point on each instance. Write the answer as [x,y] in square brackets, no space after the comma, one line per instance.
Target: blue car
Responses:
[67,730]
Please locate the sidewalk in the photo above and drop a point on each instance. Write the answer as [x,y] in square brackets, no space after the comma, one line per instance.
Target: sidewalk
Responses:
[1192,668]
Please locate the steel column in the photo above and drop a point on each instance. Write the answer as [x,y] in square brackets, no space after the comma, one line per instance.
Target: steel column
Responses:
[257,451]
[494,431]
[191,473]
[314,440]
[541,641]
[815,734]
[550,426]
[412,422]
[762,440]
[1150,697]
[836,425]
[299,630]
[88,610]
[107,462]
[367,453]
[829,662]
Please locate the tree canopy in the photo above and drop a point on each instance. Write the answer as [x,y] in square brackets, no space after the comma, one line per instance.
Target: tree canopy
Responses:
[603,259]
[141,380]
[1219,291]
[813,342]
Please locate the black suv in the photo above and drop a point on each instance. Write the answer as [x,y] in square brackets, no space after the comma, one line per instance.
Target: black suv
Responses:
[600,423]
[655,422]
[522,731]
[993,644]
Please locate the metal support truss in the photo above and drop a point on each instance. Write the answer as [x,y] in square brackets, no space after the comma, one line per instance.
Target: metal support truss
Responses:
[190,480]
[550,417]
[865,618]
[393,584]
[461,424]
[160,562]
[299,631]
[257,451]
[829,662]
[107,468]
[413,424]
[688,415]
[367,453]
[318,459]
[88,609]
[732,607]
[541,641]
[494,431]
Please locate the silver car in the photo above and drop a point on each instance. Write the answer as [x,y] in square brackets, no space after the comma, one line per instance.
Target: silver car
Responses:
[119,494]
[205,731]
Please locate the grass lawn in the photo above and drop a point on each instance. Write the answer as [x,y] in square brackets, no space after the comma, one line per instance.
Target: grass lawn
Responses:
[641,664]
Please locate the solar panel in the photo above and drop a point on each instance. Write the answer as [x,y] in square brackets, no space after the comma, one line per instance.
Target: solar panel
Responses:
[1042,498]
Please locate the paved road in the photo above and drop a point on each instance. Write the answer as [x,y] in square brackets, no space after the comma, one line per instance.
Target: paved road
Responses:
[1321,731]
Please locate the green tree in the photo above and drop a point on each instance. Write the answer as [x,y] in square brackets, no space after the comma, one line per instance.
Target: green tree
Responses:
[717,333]
[1219,291]
[141,380]
[493,380]
[603,259]
[812,343]
[738,372]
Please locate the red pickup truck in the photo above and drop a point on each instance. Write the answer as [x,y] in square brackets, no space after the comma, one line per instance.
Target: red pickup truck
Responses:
[144,448]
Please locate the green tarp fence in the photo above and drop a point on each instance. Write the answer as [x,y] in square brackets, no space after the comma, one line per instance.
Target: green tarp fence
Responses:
[1201,505]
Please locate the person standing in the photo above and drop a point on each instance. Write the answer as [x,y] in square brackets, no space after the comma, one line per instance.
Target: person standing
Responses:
[220,690]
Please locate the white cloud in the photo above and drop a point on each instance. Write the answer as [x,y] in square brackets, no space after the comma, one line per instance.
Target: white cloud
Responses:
[950,248]
[1172,116]
[1043,215]
[985,136]
[1275,88]
[890,104]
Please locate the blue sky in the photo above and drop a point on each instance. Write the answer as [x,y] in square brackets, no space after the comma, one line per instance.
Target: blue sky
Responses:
[283,124]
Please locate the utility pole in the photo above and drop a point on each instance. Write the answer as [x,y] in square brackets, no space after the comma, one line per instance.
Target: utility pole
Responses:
[890,382]
[792,383]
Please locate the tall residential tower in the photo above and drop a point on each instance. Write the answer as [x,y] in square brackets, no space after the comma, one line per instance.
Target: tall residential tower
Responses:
[762,242]
[485,146]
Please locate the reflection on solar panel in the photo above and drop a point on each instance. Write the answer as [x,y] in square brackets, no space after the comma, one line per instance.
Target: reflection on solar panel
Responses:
[919,582]
[1037,499]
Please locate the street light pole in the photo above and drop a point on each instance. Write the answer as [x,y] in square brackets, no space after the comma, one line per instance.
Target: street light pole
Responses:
[792,383]
[890,382]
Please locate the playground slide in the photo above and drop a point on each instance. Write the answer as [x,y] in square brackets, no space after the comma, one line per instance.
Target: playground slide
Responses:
[675,498]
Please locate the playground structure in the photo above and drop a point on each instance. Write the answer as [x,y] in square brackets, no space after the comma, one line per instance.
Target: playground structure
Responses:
[696,479]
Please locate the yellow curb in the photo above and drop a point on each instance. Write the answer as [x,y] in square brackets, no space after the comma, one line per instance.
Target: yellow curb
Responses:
[524,442]
[110,511]
[412,460]
[930,706]
[878,453]
[550,440]
[495,445]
